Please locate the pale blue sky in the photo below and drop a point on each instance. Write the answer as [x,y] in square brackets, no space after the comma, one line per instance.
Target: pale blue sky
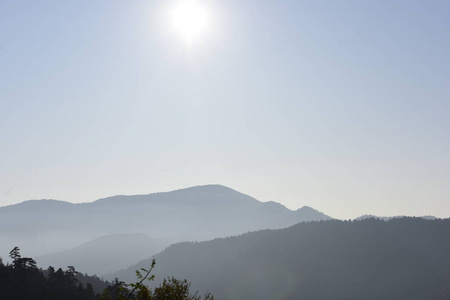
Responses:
[340,105]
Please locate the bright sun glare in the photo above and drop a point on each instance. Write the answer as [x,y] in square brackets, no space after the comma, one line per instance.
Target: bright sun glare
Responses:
[190,18]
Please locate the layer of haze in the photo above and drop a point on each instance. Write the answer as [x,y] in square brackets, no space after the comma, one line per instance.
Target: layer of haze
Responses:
[340,105]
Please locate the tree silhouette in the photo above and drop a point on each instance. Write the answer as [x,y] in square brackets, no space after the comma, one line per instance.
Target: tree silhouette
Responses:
[170,289]
[23,280]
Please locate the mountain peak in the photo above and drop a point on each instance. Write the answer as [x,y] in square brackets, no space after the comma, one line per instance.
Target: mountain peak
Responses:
[310,214]
[196,194]
[209,188]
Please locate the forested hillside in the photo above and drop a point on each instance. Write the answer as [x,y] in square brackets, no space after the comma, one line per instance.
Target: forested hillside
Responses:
[23,280]
[404,258]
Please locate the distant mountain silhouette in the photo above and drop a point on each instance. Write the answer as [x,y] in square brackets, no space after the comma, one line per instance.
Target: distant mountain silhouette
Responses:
[106,254]
[402,258]
[199,213]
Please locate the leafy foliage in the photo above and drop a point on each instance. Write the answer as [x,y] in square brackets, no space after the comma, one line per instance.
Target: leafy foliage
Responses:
[170,289]
[174,289]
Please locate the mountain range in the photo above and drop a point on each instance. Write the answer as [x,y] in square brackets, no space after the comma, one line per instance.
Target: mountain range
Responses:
[60,232]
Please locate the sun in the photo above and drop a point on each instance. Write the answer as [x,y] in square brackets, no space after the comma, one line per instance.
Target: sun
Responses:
[190,19]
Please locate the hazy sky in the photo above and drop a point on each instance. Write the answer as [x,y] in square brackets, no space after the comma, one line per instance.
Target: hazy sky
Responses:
[343,106]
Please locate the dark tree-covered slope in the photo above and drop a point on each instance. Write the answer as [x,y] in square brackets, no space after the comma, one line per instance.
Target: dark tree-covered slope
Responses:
[405,258]
[22,280]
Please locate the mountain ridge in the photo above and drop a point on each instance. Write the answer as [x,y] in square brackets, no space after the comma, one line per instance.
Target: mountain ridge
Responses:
[403,258]
[192,214]
[98,256]
[384,218]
